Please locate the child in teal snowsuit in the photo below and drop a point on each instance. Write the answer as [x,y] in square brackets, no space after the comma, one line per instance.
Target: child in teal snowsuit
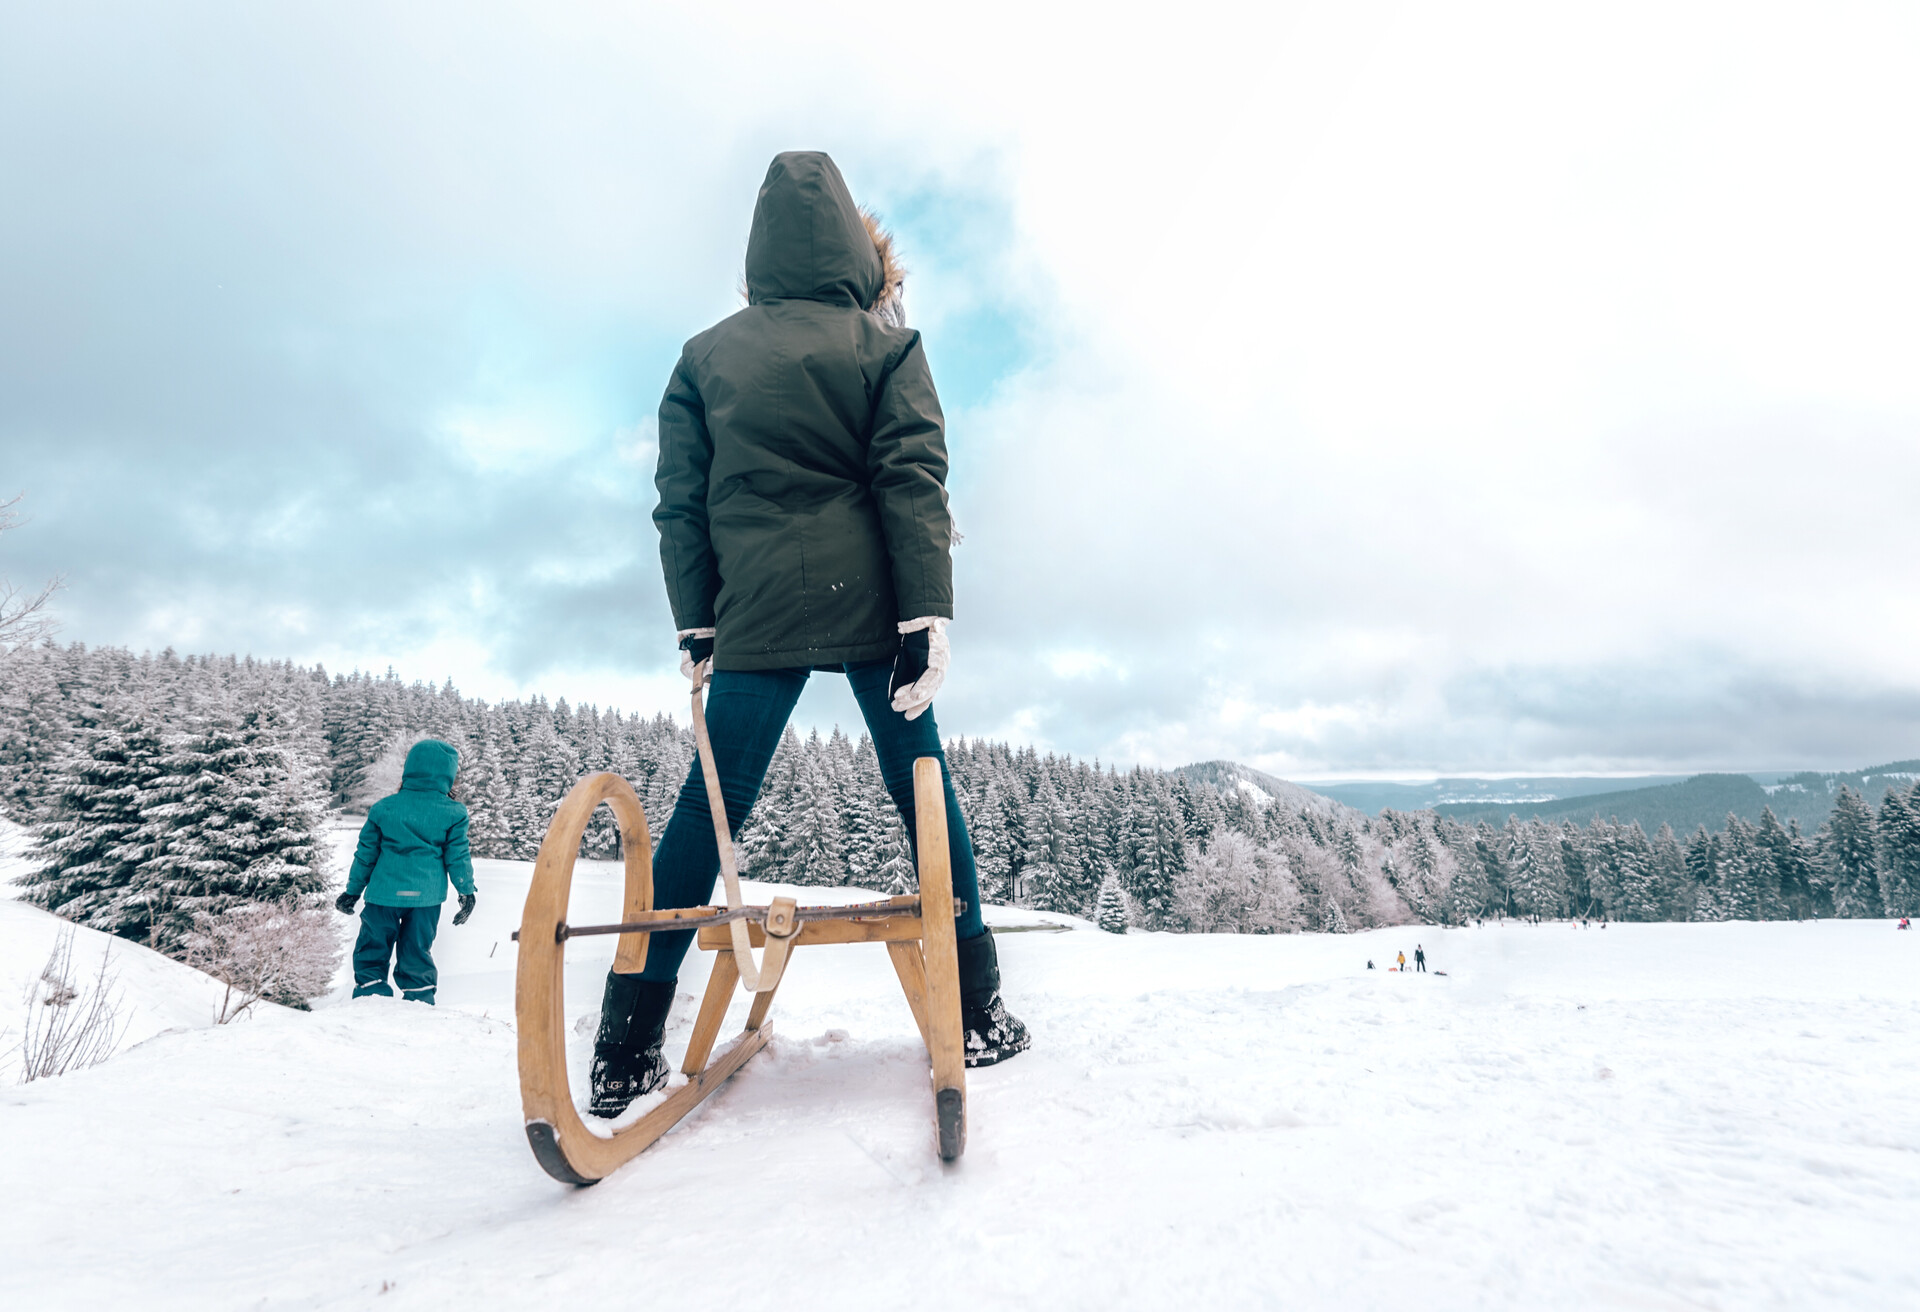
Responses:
[413,842]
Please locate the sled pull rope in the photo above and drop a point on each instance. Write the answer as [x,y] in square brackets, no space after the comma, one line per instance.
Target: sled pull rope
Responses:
[755,977]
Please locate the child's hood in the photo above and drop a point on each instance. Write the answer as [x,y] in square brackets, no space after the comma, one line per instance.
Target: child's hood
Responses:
[431,766]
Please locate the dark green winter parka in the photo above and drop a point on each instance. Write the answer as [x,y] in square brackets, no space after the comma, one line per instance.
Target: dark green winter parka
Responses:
[416,839]
[803,462]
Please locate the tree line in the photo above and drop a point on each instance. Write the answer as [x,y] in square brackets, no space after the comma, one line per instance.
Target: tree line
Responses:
[162,788]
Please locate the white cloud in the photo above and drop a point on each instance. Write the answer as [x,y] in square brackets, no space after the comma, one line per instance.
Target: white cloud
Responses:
[1488,385]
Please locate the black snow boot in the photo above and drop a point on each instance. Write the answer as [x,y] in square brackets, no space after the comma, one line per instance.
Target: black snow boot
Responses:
[626,1055]
[991,1034]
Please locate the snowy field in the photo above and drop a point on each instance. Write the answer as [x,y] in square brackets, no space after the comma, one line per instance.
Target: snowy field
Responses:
[1657,1116]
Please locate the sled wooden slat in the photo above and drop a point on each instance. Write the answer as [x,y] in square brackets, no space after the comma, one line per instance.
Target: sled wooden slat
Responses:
[941,952]
[911,967]
[713,1010]
[922,951]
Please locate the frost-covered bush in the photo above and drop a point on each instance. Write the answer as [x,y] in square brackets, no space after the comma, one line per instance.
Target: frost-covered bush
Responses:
[284,952]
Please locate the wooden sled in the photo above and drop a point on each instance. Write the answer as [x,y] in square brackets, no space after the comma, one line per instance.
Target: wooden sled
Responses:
[923,952]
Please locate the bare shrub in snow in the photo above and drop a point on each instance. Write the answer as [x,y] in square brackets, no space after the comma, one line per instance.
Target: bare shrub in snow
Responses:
[70,1024]
[23,614]
[283,952]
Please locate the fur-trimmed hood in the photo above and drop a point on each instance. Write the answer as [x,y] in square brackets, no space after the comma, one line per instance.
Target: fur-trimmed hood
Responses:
[810,242]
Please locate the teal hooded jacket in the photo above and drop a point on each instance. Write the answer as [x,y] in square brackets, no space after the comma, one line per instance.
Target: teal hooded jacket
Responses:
[415,840]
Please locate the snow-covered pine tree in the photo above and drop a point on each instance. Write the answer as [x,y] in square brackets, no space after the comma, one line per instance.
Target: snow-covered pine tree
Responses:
[1162,859]
[1740,894]
[1579,879]
[1636,880]
[1535,879]
[813,826]
[483,787]
[893,872]
[1335,920]
[94,838]
[1788,865]
[1492,852]
[1899,830]
[1049,874]
[1703,875]
[226,824]
[34,732]
[992,844]
[1848,844]
[864,810]
[1110,912]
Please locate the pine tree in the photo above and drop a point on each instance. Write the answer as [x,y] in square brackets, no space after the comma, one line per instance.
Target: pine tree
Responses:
[861,799]
[484,789]
[893,866]
[1741,891]
[92,844]
[226,824]
[1534,876]
[1787,864]
[1703,874]
[1111,911]
[1636,878]
[1847,845]
[813,828]
[1899,828]
[992,845]
[34,732]
[1335,921]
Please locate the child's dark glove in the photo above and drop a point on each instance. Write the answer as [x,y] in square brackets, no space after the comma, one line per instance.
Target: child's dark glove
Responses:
[345,903]
[466,909]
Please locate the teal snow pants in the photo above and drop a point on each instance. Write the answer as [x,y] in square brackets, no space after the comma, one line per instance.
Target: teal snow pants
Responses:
[403,935]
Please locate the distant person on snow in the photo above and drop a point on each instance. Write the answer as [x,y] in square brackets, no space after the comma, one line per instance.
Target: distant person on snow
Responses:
[803,526]
[1419,957]
[1401,957]
[413,842]
[1369,963]
[1903,924]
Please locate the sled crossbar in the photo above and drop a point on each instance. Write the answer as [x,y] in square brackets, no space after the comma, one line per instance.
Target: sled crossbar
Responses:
[708,917]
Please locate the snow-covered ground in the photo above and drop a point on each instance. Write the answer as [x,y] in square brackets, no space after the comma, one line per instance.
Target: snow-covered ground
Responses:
[1658,1116]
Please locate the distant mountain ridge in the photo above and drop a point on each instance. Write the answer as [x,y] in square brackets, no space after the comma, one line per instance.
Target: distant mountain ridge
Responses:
[1704,799]
[1229,775]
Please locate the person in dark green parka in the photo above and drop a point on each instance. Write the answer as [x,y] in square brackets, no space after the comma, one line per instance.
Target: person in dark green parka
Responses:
[803,528]
[412,844]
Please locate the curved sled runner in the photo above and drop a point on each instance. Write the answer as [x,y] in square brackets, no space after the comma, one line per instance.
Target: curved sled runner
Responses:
[923,953]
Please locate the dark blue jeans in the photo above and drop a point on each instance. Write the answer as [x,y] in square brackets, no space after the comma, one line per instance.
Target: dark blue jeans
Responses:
[410,930]
[746,714]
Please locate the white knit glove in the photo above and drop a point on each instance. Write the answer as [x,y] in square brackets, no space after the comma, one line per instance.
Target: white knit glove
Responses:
[918,672]
[701,639]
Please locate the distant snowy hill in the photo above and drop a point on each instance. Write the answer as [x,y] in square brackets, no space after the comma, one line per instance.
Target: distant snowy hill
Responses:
[1263,787]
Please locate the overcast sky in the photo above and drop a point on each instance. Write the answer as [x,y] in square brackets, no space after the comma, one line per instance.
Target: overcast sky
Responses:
[1339,388]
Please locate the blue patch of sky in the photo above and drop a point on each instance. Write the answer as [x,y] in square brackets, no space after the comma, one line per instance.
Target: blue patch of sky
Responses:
[988,330]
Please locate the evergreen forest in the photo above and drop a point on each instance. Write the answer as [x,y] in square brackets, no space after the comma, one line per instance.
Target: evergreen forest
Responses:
[159,787]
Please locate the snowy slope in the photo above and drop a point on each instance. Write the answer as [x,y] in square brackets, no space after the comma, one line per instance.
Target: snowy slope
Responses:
[156,993]
[1661,1116]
